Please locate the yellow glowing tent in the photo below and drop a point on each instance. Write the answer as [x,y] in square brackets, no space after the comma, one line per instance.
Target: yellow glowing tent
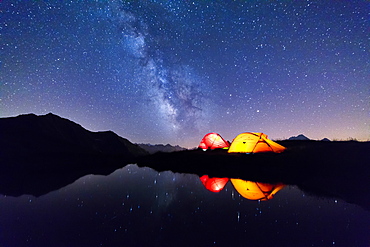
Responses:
[254,190]
[250,142]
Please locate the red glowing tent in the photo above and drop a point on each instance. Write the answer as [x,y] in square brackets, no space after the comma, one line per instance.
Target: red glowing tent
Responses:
[213,141]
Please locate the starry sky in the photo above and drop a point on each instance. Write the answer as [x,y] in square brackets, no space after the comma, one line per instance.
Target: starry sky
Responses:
[172,71]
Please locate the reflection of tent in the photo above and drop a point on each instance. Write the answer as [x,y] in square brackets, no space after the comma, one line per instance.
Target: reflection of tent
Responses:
[213,141]
[254,143]
[254,190]
[213,184]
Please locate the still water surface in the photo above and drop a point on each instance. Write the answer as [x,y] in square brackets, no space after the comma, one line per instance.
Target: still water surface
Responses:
[140,207]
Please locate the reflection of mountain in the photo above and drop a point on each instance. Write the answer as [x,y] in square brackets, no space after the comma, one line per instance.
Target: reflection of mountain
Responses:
[248,189]
[47,152]
[39,154]
[336,169]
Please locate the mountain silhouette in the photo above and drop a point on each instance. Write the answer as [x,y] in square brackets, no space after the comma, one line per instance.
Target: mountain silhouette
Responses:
[39,154]
[151,149]
[49,148]
[300,137]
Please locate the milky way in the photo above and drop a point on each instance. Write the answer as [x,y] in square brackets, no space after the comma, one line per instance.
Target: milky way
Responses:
[172,90]
[172,71]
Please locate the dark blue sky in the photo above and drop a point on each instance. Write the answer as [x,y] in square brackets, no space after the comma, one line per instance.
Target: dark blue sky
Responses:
[172,71]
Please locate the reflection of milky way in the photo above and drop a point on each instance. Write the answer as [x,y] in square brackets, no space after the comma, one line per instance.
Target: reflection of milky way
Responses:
[172,89]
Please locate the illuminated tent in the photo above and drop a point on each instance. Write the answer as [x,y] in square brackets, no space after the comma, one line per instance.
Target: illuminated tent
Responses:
[214,184]
[254,190]
[249,142]
[213,141]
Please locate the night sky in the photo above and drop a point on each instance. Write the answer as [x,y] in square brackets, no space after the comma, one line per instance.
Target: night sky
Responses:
[172,71]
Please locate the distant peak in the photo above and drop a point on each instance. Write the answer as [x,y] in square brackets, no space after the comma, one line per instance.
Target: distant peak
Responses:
[300,137]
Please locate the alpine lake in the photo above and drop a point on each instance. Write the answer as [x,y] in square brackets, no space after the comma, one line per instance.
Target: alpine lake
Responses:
[136,206]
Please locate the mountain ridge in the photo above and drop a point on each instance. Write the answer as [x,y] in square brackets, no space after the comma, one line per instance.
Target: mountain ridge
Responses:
[154,148]
[53,133]
[53,151]
[299,137]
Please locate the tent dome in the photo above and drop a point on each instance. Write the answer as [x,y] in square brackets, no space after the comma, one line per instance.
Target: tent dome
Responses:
[213,141]
[250,142]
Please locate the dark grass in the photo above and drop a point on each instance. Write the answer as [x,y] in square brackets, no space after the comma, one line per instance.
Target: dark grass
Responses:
[326,169]
[329,169]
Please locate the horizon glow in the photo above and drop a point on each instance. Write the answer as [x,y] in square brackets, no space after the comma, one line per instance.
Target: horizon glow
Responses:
[173,71]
